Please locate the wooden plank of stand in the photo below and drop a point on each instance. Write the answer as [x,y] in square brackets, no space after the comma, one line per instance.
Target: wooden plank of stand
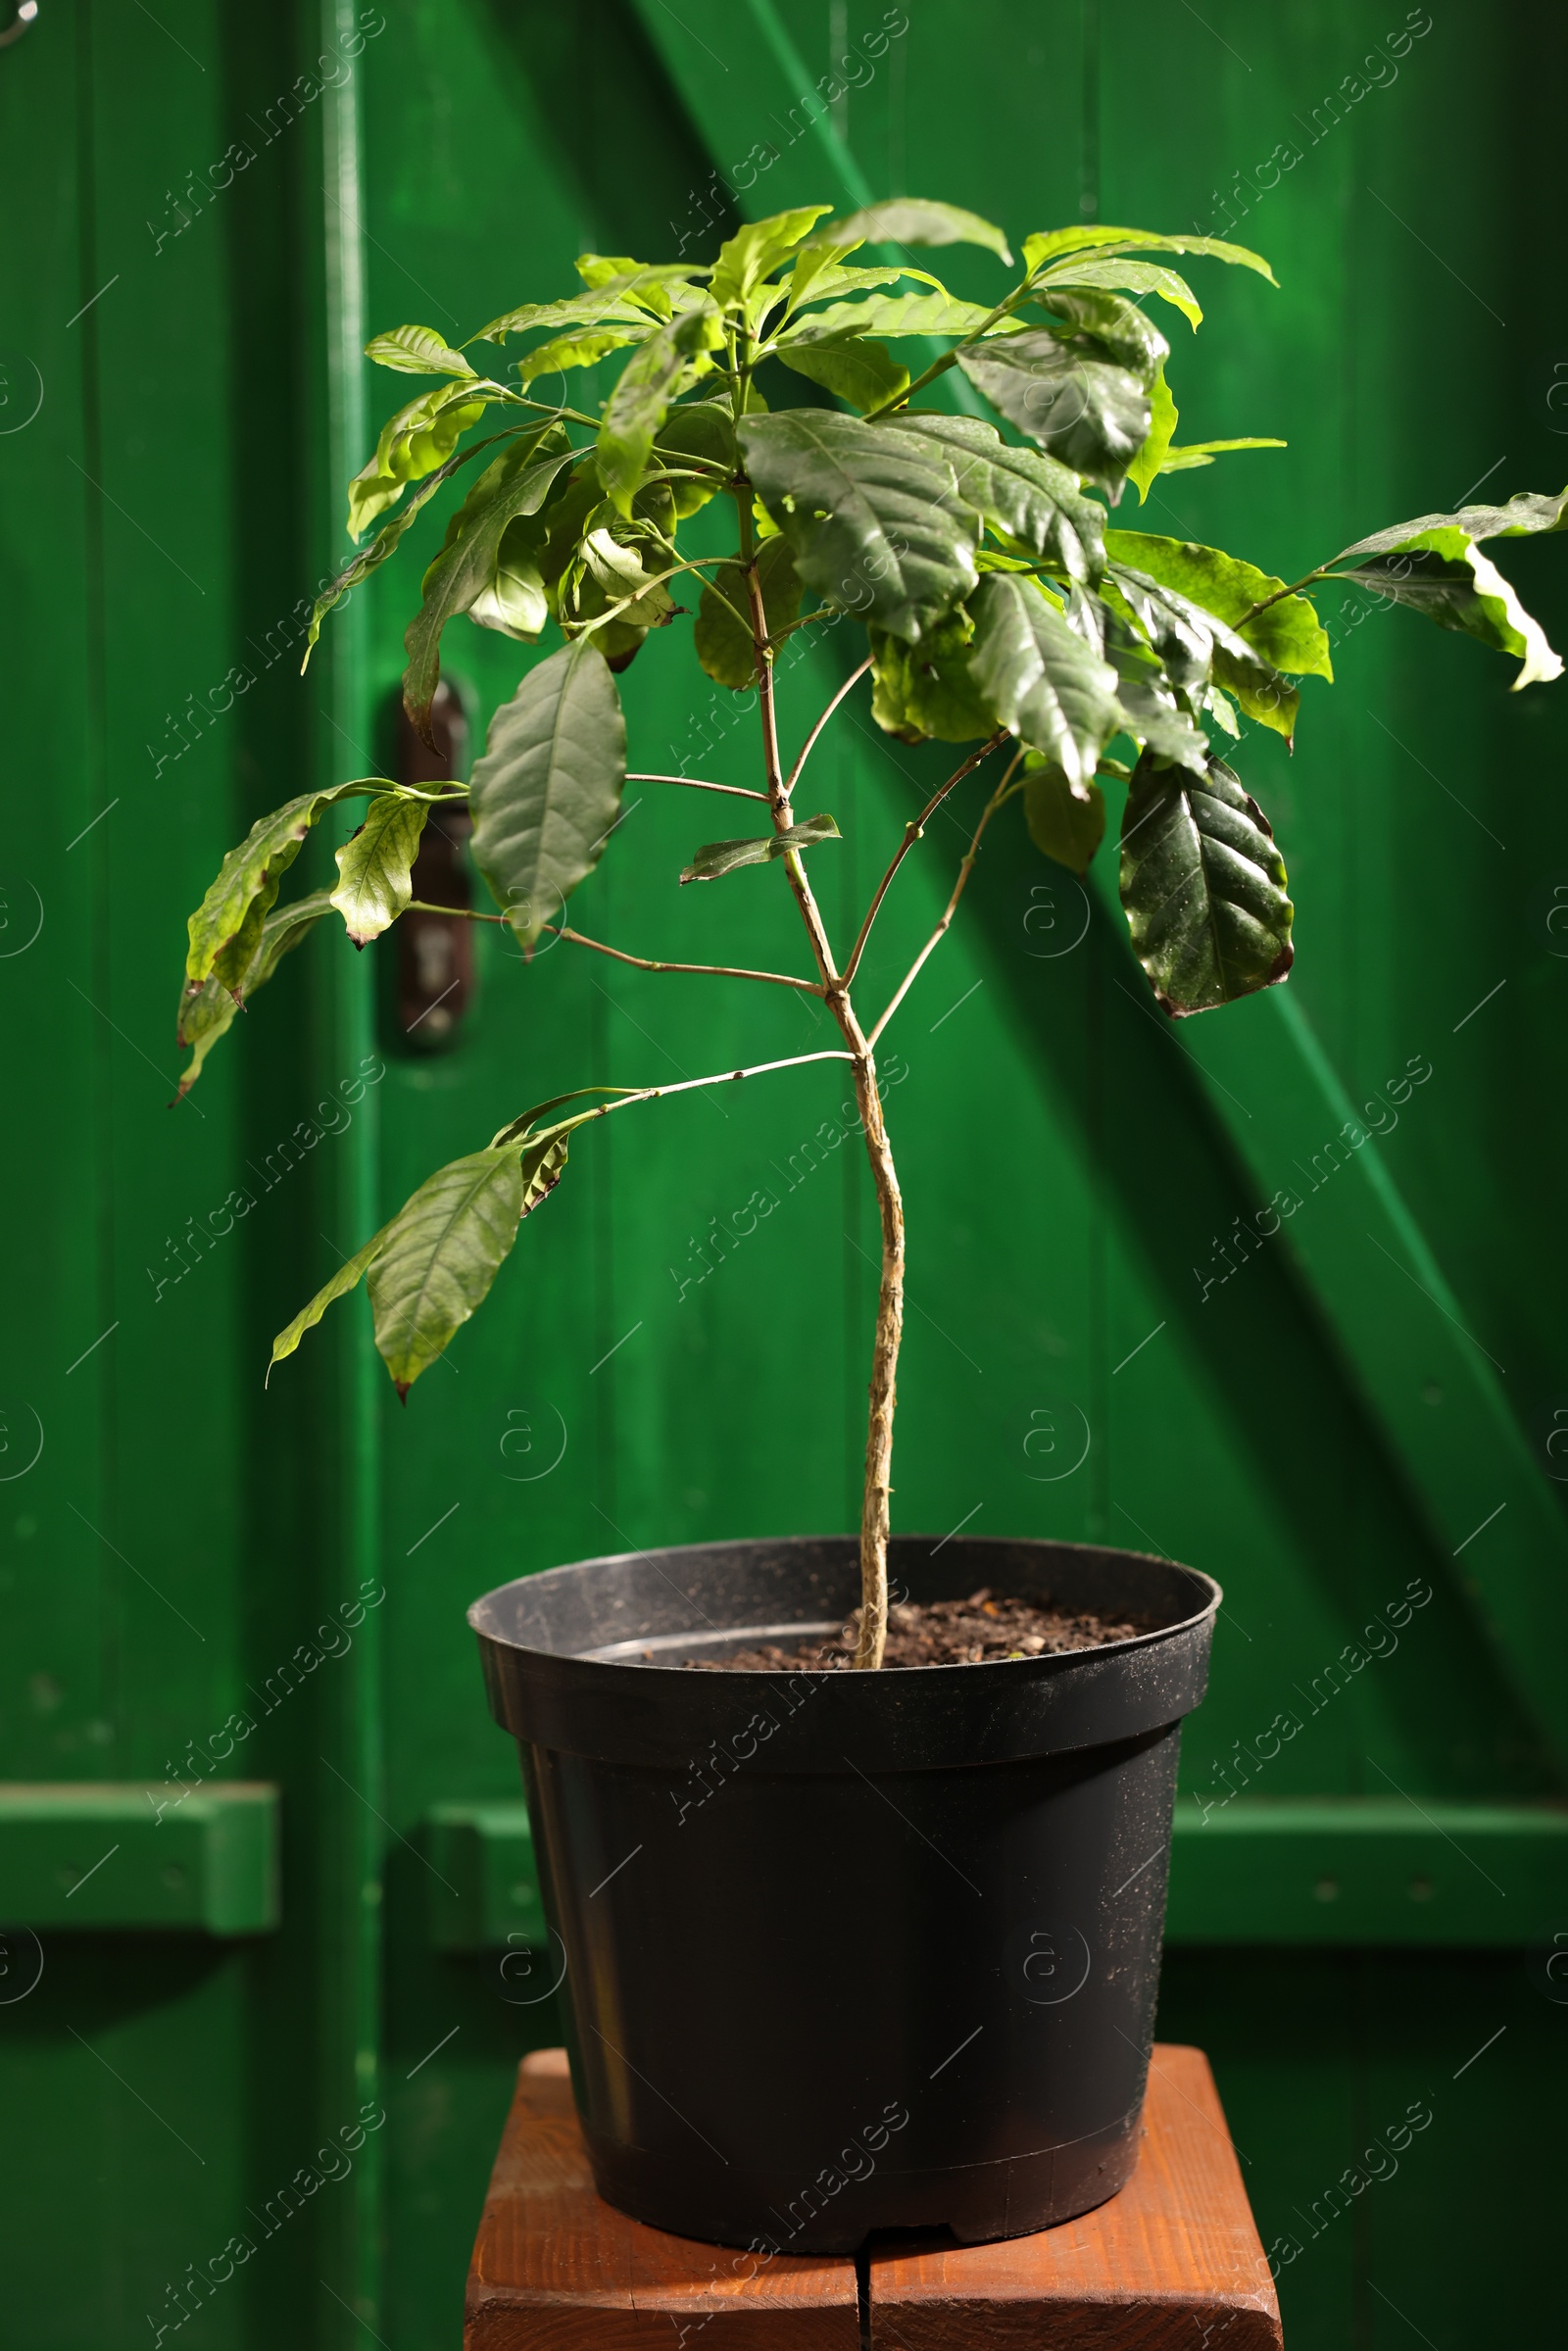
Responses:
[557,2269]
[1172,2262]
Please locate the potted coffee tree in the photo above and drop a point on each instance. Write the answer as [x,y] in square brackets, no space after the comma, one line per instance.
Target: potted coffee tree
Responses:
[846,1945]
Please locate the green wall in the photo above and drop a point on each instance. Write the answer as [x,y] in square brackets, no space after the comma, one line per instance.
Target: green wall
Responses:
[1314,1431]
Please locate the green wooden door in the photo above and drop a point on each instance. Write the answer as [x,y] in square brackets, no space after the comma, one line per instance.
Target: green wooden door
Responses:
[1348,1420]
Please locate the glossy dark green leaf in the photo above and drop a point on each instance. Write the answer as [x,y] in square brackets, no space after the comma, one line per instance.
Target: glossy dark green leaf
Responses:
[1044,683]
[1289,635]
[912,221]
[1028,497]
[623,570]
[1048,244]
[925,691]
[376,868]
[877,526]
[717,857]
[516,483]
[636,408]
[1131,278]
[1436,567]
[1067,824]
[723,646]
[1204,889]
[851,368]
[417,351]
[1195,647]
[1148,704]
[756,249]
[207,1013]
[547,792]
[698,436]
[1093,415]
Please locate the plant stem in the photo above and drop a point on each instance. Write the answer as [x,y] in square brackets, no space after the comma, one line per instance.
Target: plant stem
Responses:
[809,745]
[727,971]
[654,1093]
[877,1487]
[911,833]
[1001,792]
[692,784]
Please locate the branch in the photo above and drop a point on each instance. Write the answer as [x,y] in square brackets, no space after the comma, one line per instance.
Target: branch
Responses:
[728,971]
[911,833]
[964,870]
[811,740]
[654,1093]
[1280,594]
[740,791]
[810,914]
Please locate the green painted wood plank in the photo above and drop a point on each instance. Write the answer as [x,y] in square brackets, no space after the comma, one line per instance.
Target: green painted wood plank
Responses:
[88,1856]
[1354,1871]
[1430,1385]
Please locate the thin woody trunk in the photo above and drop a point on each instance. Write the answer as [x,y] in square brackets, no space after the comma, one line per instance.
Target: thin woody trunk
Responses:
[877,1489]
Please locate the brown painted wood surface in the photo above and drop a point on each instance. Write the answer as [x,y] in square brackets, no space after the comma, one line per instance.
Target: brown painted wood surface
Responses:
[1172,2264]
[556,2268]
[1173,2261]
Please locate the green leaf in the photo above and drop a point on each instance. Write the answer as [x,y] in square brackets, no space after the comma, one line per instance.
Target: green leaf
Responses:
[877,526]
[718,858]
[756,251]
[207,1015]
[817,273]
[421,437]
[439,1255]
[621,573]
[723,647]
[1289,635]
[1092,413]
[925,690]
[515,601]
[939,313]
[417,351]
[1203,452]
[376,868]
[584,347]
[225,930]
[1132,278]
[1152,459]
[1043,247]
[1435,565]
[1044,683]
[851,368]
[1195,647]
[347,1277]
[612,301]
[1148,706]
[1203,888]
[1067,825]
[516,483]
[546,795]
[1026,497]
[912,221]
[704,430]
[381,546]
[1108,326]
[636,408]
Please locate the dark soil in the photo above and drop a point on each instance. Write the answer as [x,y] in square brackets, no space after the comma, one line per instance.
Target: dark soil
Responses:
[979,1630]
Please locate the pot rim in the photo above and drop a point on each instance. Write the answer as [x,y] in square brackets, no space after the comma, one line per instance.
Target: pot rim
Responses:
[488,1631]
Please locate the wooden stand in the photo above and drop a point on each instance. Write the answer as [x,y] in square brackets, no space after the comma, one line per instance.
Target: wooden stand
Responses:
[1172,2264]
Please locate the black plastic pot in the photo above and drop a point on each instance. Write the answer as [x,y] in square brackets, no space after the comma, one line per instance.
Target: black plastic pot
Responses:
[850,1951]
